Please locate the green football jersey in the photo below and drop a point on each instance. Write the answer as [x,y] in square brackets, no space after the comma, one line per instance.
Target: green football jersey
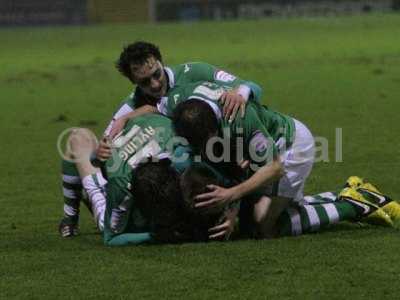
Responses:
[264,131]
[143,137]
[182,75]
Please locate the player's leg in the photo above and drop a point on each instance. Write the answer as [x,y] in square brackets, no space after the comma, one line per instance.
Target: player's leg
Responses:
[316,213]
[359,200]
[71,181]
[321,211]
[83,144]
[266,214]
[297,219]
[308,218]
[72,192]
[79,173]
[297,162]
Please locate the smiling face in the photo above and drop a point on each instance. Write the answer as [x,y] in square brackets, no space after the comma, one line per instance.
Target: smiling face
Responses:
[150,77]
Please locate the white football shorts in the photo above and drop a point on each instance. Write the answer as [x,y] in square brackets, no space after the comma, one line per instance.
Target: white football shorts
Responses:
[297,162]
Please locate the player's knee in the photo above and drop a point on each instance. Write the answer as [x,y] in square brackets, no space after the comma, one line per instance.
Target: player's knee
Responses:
[261,209]
[266,214]
[82,134]
[81,137]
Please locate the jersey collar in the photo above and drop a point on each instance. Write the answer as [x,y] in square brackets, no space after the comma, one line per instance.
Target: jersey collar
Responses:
[212,104]
[171,77]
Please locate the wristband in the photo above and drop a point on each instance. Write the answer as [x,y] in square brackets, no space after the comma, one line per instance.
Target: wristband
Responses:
[244,91]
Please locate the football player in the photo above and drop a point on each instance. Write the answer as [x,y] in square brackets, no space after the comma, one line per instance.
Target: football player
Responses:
[359,201]
[142,64]
[272,142]
[109,190]
[280,151]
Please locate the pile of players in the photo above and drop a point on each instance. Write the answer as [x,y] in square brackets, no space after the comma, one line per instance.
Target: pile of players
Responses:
[193,155]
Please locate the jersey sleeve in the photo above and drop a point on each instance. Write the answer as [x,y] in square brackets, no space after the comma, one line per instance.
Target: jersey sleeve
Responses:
[135,100]
[117,212]
[256,91]
[205,72]
[130,239]
[126,106]
[259,144]
[117,218]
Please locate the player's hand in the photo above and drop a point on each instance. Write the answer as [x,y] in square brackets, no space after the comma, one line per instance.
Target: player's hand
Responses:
[103,151]
[117,127]
[225,229]
[232,103]
[218,196]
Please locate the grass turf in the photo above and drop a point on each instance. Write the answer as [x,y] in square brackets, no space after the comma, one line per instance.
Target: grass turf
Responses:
[329,73]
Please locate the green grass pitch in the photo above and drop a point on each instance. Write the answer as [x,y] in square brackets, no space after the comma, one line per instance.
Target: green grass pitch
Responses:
[329,73]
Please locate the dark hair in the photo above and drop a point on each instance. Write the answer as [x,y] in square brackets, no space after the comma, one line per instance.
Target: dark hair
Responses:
[136,54]
[194,120]
[155,187]
[194,181]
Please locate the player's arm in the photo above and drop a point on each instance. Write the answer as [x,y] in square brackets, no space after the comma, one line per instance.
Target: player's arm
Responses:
[120,123]
[129,108]
[103,151]
[134,102]
[237,98]
[261,178]
[264,161]
[241,92]
[200,71]
[263,155]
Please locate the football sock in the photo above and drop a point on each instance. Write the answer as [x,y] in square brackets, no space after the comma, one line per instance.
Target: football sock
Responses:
[313,217]
[72,189]
[95,187]
[321,198]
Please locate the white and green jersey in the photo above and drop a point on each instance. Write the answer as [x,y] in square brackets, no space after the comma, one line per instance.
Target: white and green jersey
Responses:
[143,137]
[264,131]
[185,74]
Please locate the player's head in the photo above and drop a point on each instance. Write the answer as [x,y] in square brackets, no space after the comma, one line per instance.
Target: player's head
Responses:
[195,121]
[141,63]
[193,182]
[156,190]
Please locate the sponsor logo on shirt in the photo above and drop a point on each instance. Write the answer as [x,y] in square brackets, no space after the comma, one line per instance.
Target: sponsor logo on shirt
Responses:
[224,76]
[259,142]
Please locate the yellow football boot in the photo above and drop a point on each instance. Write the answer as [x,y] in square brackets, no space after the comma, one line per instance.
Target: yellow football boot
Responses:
[389,206]
[393,210]
[370,212]
[354,182]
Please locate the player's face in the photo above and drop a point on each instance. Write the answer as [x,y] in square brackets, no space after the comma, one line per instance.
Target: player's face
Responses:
[151,78]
